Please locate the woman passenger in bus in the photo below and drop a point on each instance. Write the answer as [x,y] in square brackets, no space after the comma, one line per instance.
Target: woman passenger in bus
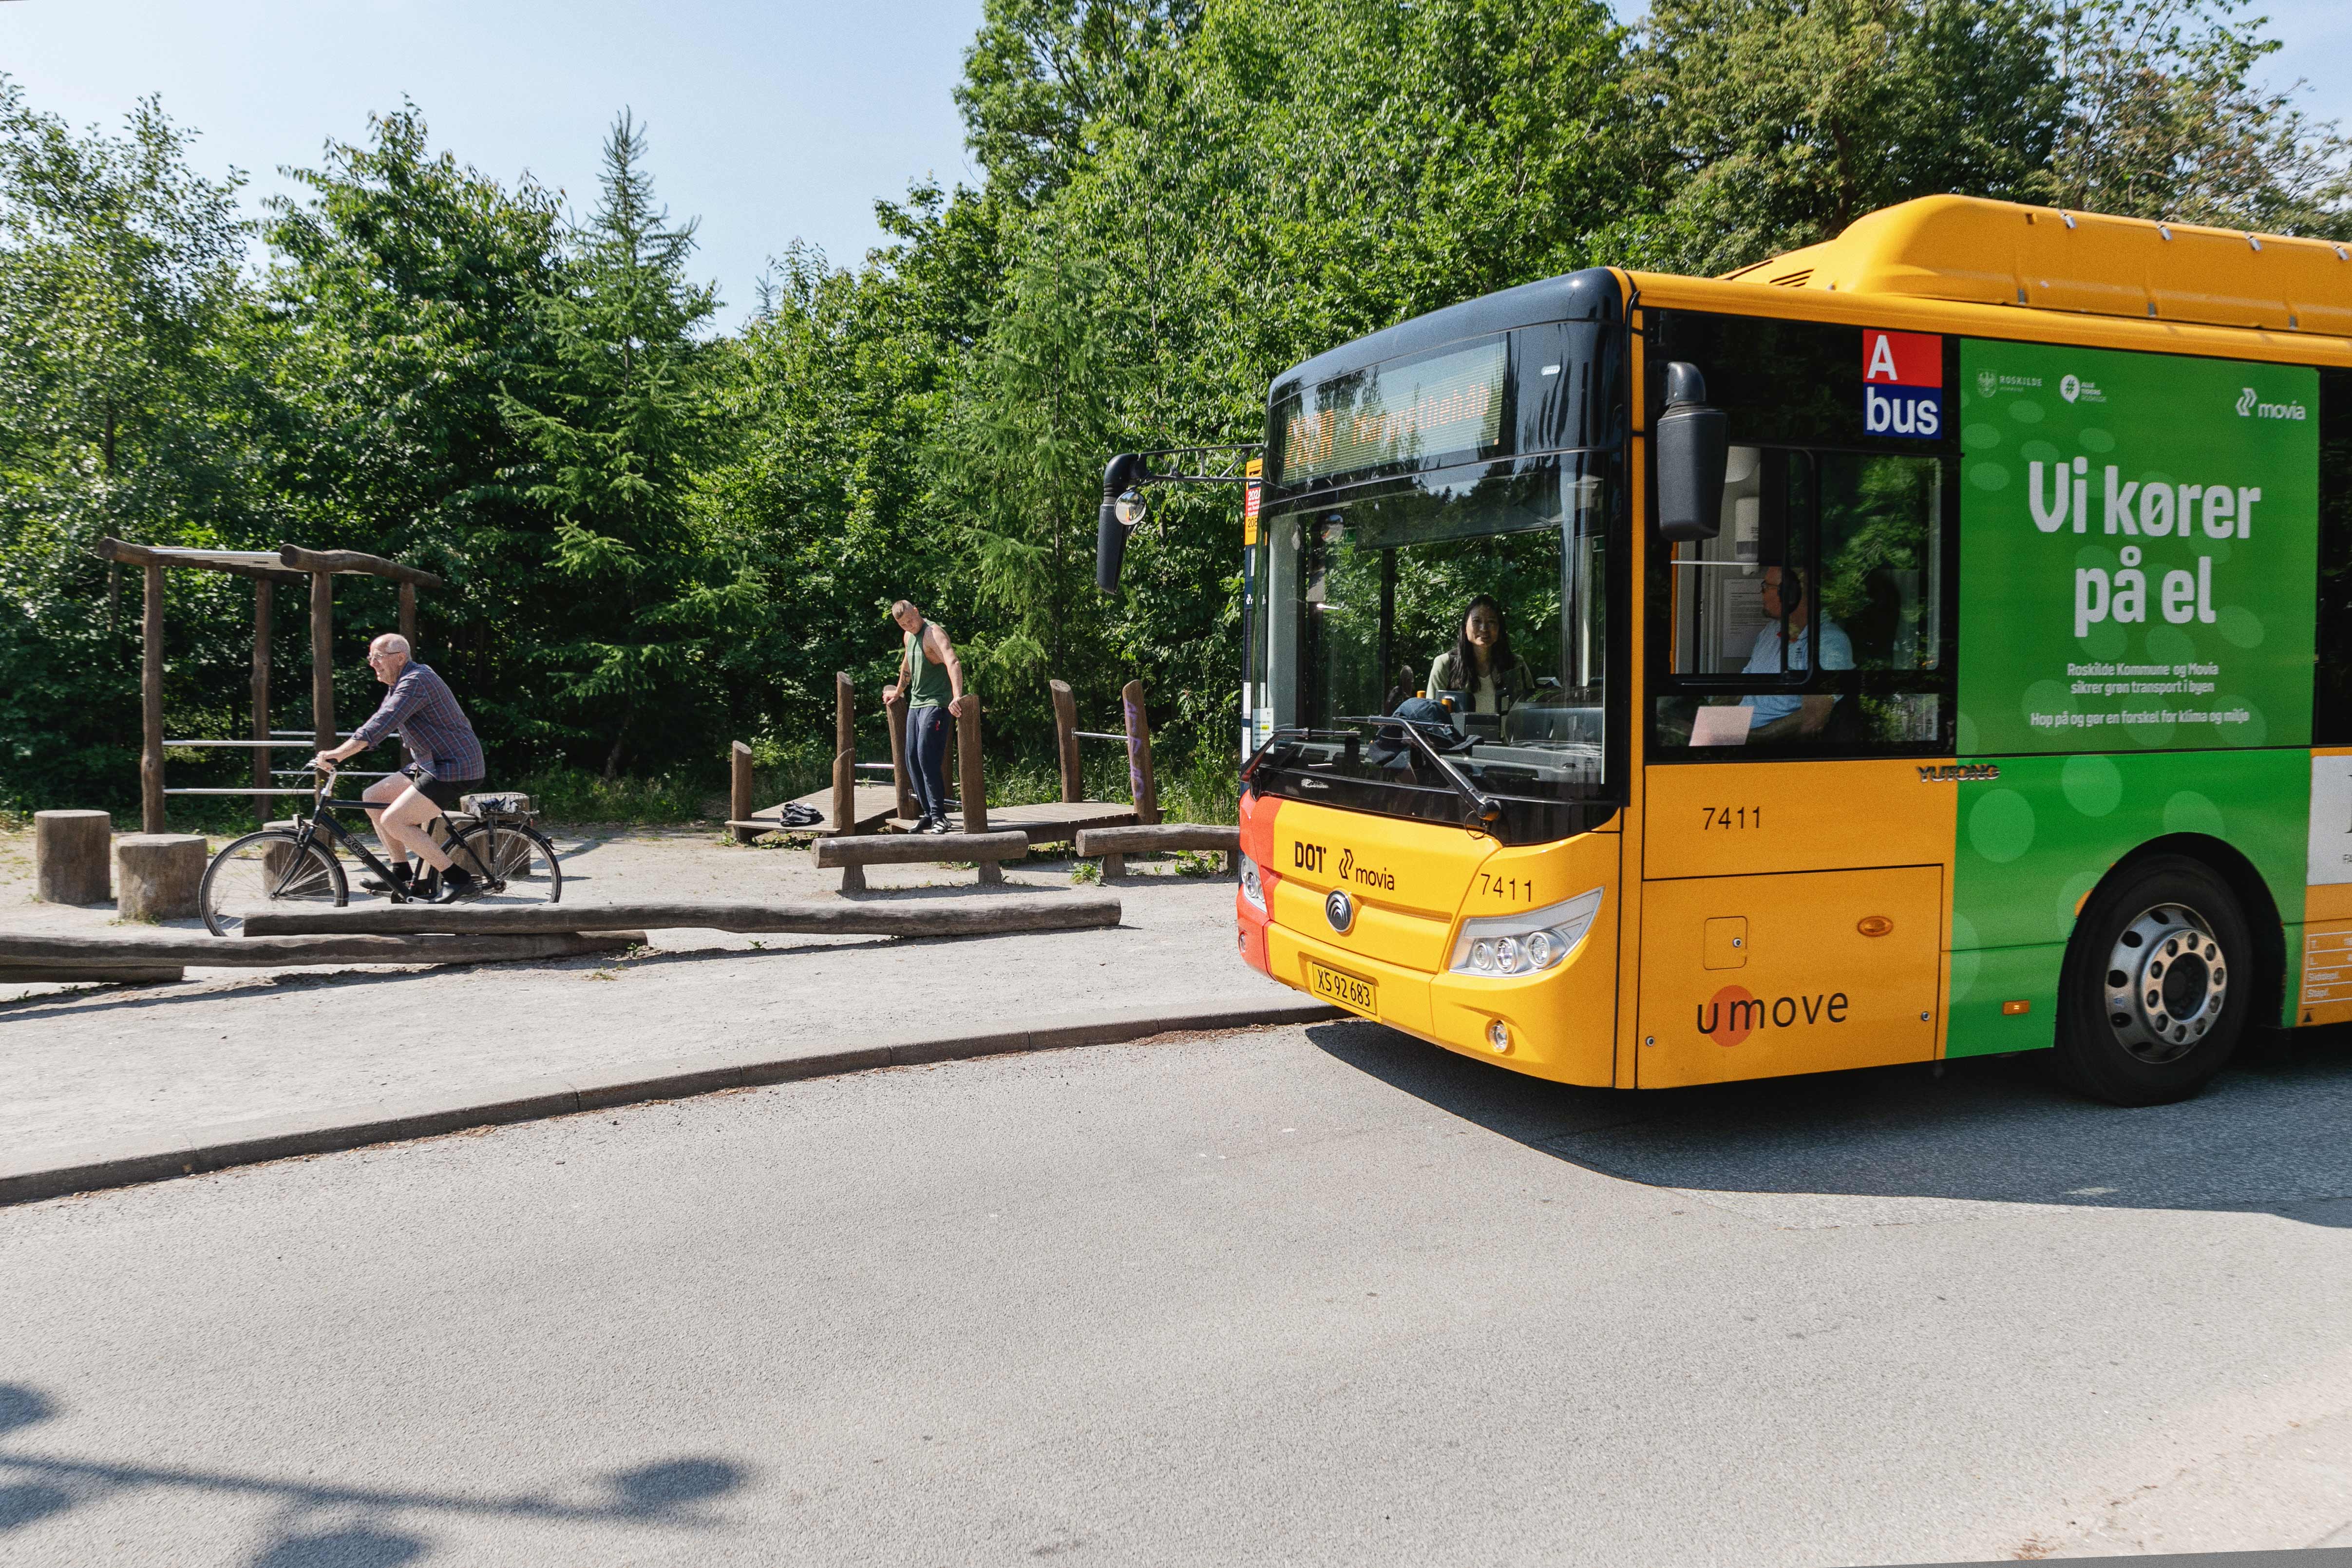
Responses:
[1481,664]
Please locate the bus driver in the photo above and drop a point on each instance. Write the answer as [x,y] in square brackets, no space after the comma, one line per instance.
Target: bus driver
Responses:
[1785,602]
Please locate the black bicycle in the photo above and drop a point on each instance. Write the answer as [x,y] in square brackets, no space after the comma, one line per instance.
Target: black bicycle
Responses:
[284,869]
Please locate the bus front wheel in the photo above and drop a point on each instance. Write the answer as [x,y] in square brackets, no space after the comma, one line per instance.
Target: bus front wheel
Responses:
[2157,984]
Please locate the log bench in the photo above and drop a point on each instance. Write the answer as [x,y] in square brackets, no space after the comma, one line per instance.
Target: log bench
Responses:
[1115,844]
[23,953]
[927,918]
[853,856]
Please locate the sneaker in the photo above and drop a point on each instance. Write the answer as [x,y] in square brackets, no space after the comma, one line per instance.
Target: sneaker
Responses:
[458,883]
[937,825]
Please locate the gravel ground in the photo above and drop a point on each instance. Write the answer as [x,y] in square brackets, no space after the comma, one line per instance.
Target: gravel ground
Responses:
[84,1065]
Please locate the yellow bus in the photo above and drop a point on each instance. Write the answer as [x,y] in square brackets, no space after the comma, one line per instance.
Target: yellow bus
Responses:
[1933,642]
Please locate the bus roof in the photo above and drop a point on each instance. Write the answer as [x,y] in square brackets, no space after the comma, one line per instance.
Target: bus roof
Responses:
[1965,249]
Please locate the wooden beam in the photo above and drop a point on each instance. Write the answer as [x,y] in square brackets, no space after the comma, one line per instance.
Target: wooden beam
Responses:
[352,560]
[1065,741]
[293,952]
[1158,838]
[322,660]
[151,704]
[896,712]
[123,553]
[89,974]
[993,915]
[845,752]
[738,790]
[921,849]
[263,610]
[1146,789]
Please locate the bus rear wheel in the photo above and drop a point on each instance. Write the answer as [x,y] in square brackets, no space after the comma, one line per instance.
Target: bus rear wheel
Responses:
[2157,985]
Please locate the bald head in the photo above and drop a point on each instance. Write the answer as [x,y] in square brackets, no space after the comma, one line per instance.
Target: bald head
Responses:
[387,656]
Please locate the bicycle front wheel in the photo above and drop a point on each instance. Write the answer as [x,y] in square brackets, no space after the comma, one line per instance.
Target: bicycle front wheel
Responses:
[272,871]
[516,856]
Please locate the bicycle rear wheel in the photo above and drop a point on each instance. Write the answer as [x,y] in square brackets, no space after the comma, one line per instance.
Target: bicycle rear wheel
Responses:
[271,871]
[516,856]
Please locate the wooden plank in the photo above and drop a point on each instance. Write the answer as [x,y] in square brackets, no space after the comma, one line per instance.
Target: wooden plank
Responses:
[873,804]
[918,918]
[1152,837]
[91,974]
[919,849]
[285,952]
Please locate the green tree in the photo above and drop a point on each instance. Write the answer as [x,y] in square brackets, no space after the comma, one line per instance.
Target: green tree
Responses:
[2164,120]
[123,323]
[618,418]
[1774,123]
[405,294]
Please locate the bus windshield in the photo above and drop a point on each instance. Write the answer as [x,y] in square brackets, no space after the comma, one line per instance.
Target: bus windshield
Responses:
[1469,602]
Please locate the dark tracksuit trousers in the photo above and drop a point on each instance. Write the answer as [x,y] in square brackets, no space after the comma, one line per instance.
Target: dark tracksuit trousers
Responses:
[927,758]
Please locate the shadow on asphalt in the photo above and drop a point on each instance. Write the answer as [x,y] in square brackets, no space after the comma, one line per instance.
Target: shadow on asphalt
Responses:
[34,1487]
[2267,1136]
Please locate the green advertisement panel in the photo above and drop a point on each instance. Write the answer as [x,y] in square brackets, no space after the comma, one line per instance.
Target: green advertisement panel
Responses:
[2138,539]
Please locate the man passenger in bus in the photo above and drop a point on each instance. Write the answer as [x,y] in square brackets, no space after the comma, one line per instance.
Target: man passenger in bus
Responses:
[1785,602]
[1481,664]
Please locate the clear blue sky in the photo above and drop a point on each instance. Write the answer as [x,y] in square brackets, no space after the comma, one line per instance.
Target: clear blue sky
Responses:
[769,121]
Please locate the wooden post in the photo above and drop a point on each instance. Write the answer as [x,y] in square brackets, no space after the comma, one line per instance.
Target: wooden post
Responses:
[739,794]
[408,630]
[844,754]
[976,786]
[69,856]
[1138,755]
[322,661]
[1065,741]
[150,702]
[263,608]
[896,711]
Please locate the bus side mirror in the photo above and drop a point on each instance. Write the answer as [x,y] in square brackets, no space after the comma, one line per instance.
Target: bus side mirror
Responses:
[1694,448]
[1120,476]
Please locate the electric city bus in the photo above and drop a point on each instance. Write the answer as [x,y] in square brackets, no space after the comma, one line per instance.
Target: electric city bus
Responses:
[1933,642]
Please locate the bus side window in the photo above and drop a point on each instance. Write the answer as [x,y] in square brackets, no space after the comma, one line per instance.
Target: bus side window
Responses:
[1854,544]
[2331,698]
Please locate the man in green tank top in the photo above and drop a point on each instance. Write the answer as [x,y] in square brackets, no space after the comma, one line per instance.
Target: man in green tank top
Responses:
[932,678]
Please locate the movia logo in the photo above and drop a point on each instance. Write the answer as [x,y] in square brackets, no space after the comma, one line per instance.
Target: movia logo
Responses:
[2252,406]
[1903,383]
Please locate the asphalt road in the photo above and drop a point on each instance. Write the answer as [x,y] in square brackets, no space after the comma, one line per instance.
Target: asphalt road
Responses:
[1318,1296]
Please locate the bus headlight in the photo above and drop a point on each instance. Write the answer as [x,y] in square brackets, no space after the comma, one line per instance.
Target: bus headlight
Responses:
[1251,888]
[1523,943]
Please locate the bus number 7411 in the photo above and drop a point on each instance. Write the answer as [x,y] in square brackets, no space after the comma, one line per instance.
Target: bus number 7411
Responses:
[1506,888]
[1732,817]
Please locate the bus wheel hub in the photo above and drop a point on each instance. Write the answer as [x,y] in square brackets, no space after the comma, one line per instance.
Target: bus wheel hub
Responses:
[2166,983]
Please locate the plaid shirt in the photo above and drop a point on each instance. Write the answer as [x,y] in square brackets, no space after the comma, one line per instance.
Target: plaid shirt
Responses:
[421,706]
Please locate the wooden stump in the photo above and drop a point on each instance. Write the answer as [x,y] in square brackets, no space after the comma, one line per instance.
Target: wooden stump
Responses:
[156,875]
[69,856]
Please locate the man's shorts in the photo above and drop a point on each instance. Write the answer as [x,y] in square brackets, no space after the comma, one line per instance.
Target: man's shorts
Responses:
[443,793]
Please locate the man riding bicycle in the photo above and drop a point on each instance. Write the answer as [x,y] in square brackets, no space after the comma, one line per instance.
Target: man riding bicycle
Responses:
[447,764]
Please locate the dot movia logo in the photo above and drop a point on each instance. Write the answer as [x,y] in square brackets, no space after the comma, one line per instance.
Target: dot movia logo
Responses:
[2252,406]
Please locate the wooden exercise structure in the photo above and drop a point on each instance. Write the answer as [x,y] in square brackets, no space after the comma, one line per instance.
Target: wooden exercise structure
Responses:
[291,565]
[887,809]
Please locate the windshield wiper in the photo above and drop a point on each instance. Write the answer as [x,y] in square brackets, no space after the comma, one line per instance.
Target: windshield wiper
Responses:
[1484,810]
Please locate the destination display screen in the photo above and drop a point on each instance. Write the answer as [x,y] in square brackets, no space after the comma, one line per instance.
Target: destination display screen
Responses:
[1391,414]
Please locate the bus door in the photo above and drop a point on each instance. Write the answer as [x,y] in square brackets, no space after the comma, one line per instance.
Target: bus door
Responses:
[1795,861]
